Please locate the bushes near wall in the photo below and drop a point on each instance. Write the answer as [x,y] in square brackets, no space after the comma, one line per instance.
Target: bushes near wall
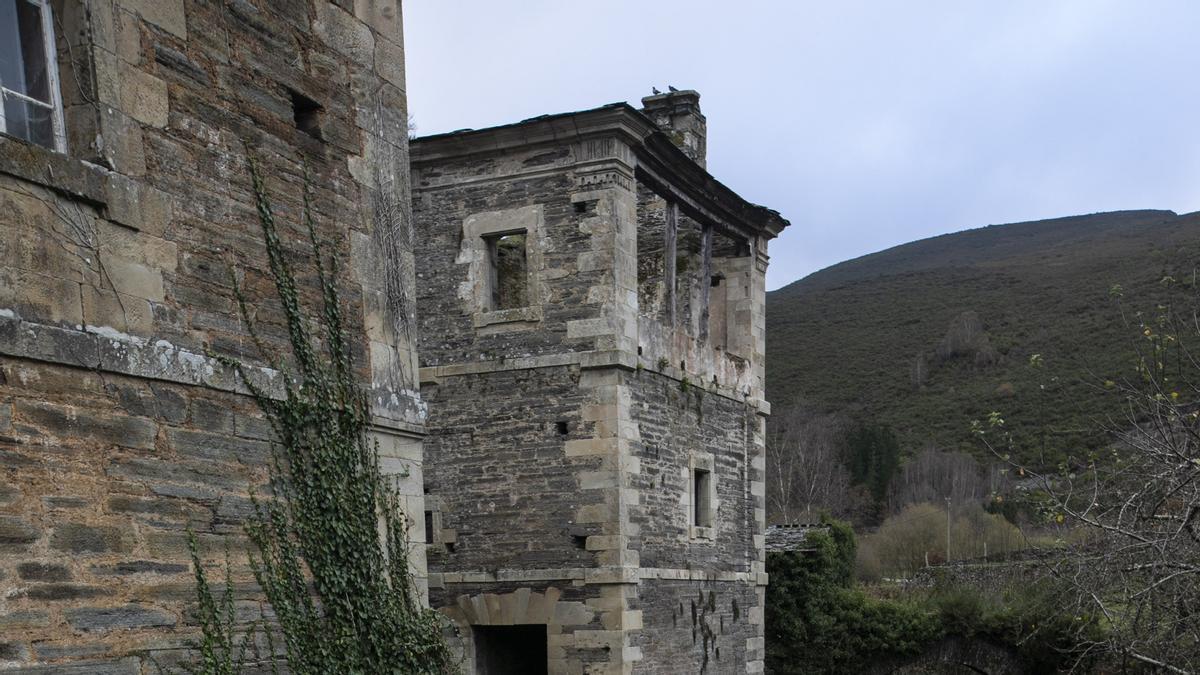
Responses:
[819,620]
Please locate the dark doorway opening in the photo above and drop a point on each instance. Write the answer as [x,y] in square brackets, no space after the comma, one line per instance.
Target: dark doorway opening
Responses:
[510,650]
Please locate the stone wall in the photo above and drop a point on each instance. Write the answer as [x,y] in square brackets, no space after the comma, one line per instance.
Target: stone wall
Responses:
[569,257]
[677,422]
[699,627]
[504,487]
[117,430]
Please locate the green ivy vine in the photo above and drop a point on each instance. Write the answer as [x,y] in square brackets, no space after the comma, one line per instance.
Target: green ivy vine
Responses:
[329,540]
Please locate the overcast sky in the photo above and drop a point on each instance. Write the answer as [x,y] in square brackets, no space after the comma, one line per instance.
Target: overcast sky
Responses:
[867,124]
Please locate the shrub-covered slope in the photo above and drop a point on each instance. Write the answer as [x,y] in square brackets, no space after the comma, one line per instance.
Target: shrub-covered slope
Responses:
[929,335]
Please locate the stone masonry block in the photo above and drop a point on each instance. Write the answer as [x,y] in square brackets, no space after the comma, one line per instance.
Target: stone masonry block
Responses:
[346,34]
[80,538]
[37,297]
[389,61]
[104,619]
[598,542]
[143,96]
[383,16]
[16,534]
[125,313]
[120,141]
[137,205]
[168,15]
[590,446]
[134,279]
[612,640]
[69,422]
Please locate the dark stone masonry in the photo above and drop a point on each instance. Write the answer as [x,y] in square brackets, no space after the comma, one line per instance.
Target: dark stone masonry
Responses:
[594,465]
[579,443]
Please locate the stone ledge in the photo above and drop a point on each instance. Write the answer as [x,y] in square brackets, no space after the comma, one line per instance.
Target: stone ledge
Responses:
[594,575]
[53,170]
[587,360]
[103,348]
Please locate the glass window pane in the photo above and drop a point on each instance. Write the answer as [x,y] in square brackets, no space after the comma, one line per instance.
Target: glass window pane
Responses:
[23,50]
[29,121]
[10,45]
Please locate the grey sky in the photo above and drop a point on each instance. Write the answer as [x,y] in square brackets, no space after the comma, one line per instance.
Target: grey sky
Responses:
[867,124]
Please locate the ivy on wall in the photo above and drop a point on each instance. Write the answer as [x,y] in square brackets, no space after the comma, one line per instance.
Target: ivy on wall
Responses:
[329,541]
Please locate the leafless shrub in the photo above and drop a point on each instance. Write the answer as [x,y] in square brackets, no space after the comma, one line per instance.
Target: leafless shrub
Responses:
[806,473]
[1139,499]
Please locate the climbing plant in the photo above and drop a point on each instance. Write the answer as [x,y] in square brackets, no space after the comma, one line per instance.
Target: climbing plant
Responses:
[329,538]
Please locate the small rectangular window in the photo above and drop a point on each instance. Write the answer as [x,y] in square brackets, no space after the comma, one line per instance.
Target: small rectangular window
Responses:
[307,114]
[30,102]
[701,498]
[509,270]
[429,527]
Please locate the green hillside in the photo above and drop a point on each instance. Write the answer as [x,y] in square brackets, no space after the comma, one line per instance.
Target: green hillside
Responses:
[927,336]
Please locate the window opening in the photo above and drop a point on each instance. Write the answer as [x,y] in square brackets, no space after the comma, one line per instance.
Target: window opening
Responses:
[429,527]
[701,499]
[307,114]
[509,270]
[510,650]
[31,106]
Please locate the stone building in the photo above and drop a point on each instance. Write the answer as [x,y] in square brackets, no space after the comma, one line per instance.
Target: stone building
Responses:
[590,313]
[125,207]
[590,304]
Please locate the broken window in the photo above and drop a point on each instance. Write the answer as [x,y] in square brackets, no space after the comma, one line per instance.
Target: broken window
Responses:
[727,288]
[652,258]
[701,498]
[31,105]
[509,269]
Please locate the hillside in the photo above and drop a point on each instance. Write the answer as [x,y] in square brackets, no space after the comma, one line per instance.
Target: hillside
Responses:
[929,335]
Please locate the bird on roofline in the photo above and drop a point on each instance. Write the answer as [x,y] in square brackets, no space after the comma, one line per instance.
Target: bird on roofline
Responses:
[655,91]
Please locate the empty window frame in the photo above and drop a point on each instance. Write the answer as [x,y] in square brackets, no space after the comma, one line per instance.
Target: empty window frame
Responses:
[509,270]
[30,101]
[701,498]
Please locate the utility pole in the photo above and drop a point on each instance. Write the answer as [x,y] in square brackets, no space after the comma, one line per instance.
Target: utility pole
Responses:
[947,529]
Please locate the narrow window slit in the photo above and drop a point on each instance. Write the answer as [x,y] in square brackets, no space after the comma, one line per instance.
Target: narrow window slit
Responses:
[701,499]
[306,113]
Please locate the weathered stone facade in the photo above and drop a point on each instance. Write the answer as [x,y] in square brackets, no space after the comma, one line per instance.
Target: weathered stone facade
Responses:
[117,430]
[594,468]
[590,307]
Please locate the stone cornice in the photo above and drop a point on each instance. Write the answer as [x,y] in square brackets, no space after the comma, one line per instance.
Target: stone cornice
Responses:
[107,350]
[660,164]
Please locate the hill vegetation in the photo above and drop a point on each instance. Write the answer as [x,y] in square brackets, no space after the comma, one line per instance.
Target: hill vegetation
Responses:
[927,336]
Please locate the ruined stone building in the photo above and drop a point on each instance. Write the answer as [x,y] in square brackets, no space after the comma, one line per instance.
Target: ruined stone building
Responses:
[590,303]
[586,299]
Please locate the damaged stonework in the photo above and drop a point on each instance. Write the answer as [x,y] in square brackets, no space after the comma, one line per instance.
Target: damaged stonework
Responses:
[119,249]
[603,443]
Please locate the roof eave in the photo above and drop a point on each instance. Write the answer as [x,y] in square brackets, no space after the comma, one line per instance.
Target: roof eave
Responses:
[661,162]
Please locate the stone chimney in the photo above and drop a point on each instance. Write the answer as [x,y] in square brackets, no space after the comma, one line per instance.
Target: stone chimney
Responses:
[677,113]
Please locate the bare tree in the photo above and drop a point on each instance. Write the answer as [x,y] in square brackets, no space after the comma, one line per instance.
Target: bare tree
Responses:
[806,473]
[1138,501]
[933,476]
